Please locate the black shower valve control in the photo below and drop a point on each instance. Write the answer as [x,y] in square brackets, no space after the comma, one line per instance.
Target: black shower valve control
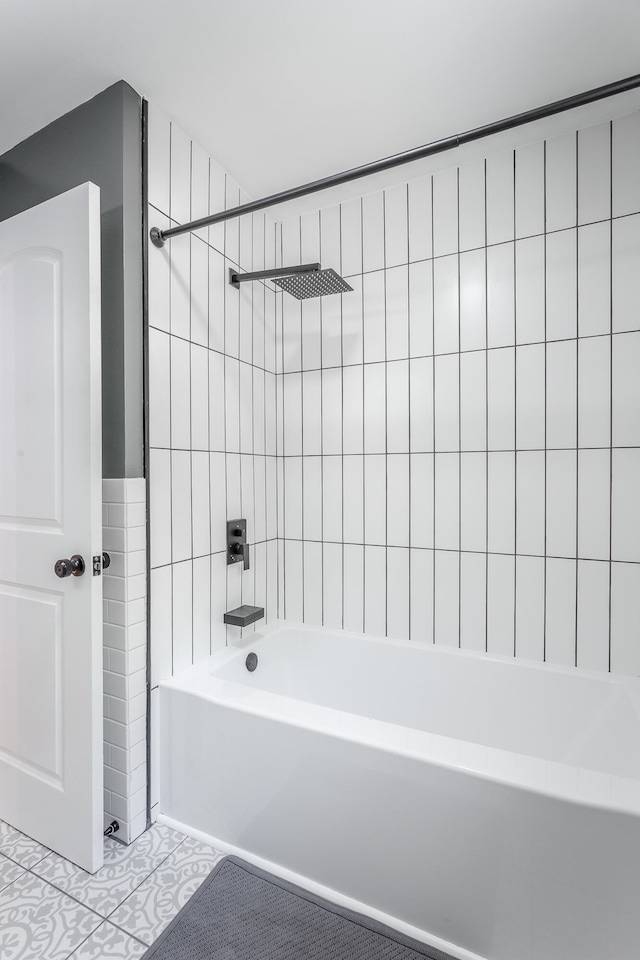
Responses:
[237,546]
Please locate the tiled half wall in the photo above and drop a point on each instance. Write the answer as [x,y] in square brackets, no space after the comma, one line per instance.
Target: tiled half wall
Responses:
[125,656]
[461,434]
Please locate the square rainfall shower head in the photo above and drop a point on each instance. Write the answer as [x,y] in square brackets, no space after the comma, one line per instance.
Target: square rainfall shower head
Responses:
[314,283]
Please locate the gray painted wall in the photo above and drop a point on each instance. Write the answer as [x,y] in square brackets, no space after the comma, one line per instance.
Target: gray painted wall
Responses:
[99,141]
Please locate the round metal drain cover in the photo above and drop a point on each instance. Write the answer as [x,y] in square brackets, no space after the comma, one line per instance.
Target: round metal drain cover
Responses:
[251,662]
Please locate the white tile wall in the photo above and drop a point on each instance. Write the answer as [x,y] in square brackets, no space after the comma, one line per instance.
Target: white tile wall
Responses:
[474,417]
[125,656]
[212,397]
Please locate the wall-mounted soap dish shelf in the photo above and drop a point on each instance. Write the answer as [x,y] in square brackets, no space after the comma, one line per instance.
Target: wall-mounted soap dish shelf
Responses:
[244,615]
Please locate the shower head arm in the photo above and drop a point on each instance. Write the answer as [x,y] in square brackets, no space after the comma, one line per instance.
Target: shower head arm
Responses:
[235,279]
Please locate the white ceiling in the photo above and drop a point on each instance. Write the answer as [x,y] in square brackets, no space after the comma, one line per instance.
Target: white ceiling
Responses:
[285,91]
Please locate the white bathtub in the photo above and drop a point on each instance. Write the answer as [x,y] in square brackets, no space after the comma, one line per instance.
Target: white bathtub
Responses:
[489,807]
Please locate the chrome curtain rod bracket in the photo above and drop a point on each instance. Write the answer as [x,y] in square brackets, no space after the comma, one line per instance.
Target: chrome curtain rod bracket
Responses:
[158,237]
[235,278]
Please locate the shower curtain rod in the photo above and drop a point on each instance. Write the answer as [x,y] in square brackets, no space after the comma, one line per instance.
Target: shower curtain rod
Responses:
[158,236]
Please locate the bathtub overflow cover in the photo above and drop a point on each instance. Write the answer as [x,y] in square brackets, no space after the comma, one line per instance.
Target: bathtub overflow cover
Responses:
[251,662]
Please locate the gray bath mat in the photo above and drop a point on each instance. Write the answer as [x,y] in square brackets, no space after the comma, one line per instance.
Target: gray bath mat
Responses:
[242,913]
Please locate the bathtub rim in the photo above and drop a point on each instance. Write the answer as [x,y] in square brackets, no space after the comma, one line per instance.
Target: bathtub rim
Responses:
[544,777]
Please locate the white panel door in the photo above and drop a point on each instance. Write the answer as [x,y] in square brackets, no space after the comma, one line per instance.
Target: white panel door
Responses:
[50,510]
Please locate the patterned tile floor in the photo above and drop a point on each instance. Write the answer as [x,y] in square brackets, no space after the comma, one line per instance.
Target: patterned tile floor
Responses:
[53,910]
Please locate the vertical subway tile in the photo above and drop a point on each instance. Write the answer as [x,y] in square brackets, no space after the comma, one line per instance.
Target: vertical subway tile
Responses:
[312,609]
[421,579]
[594,279]
[332,585]
[561,394]
[472,204]
[353,323]
[180,302]
[594,386]
[500,197]
[326,351]
[397,312]
[445,212]
[352,409]
[501,330]
[625,615]
[530,502]
[353,597]
[351,233]
[293,585]
[293,498]
[310,237]
[560,626]
[530,290]
[561,182]
[530,590]
[200,520]
[530,396]
[201,608]
[398,518]
[473,300]
[447,402]
[421,309]
[447,588]
[180,394]
[199,398]
[625,277]
[500,604]
[501,499]
[334,497]
[594,173]
[396,232]
[232,226]
[529,190]
[352,487]
[421,404]
[421,500]
[375,591]
[561,503]
[446,317]
[159,266]
[199,292]
[181,505]
[232,404]
[182,622]
[473,401]
[626,158]
[373,228]
[247,502]
[332,411]
[593,615]
[375,499]
[330,237]
[291,334]
[159,389]
[501,399]
[374,317]
[398,407]
[216,203]
[160,633]
[312,498]
[561,281]
[216,300]
[447,497]
[374,408]
[398,593]
[292,433]
[216,401]
[180,177]
[625,505]
[473,501]
[312,413]
[420,219]
[626,390]
[473,601]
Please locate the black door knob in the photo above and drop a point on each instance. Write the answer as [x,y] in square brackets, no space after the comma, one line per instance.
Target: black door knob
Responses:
[65,568]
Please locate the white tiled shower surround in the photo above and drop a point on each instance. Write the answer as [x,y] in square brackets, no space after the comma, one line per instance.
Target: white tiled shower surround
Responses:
[455,444]
[461,435]
[212,408]
[125,656]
